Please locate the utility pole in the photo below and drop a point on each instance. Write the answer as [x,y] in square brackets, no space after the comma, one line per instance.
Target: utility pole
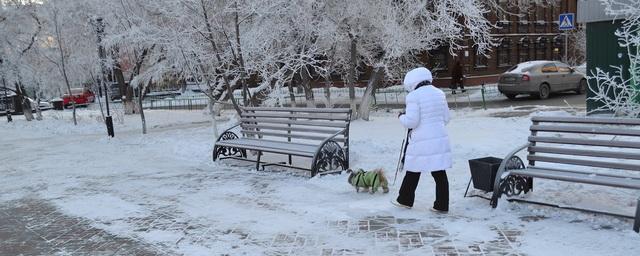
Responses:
[102,55]
[566,46]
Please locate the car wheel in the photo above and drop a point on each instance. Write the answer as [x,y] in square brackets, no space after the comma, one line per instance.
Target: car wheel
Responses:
[544,91]
[582,87]
[511,96]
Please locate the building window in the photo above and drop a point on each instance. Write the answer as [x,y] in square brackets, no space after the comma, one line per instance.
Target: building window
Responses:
[523,23]
[541,19]
[480,60]
[504,53]
[439,59]
[523,50]
[541,48]
[505,25]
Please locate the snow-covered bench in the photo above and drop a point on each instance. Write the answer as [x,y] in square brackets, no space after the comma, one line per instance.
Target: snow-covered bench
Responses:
[598,151]
[319,134]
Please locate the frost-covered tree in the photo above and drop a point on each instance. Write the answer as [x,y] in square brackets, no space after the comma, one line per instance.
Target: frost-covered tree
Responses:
[68,44]
[619,91]
[387,35]
[20,26]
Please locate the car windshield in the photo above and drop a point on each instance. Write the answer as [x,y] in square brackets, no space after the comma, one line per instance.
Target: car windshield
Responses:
[77,90]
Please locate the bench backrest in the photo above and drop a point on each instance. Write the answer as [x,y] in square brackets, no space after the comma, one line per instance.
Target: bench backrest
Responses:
[610,143]
[303,125]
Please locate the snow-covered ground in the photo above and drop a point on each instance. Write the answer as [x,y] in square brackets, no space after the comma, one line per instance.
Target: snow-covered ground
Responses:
[162,189]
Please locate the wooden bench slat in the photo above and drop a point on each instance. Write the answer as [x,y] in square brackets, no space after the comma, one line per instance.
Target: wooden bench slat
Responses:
[581,152]
[289,128]
[585,130]
[600,164]
[534,168]
[295,122]
[585,142]
[586,120]
[311,147]
[291,135]
[336,117]
[580,178]
[272,150]
[280,147]
[302,110]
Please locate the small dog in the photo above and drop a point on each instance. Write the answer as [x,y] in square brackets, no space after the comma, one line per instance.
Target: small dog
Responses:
[368,180]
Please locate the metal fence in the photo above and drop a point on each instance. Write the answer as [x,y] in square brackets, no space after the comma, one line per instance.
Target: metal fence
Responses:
[393,97]
[192,103]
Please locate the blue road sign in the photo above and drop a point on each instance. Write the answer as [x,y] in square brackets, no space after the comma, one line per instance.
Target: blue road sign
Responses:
[566,21]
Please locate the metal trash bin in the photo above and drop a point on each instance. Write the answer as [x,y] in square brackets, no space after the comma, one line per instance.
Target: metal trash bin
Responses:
[483,172]
[58,104]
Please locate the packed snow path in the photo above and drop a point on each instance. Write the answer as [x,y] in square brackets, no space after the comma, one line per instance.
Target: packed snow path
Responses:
[68,190]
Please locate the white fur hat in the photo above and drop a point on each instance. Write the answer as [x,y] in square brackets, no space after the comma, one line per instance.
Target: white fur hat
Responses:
[415,76]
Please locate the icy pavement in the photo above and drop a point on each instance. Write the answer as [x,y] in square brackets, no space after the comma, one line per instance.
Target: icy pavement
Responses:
[35,227]
[71,191]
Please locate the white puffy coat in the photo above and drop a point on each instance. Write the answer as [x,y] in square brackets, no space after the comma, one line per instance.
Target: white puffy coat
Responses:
[427,114]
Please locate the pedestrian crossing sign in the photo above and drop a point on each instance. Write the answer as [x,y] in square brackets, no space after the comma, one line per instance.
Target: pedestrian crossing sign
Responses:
[566,21]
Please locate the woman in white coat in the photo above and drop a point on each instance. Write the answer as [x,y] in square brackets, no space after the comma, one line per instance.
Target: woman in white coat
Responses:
[428,150]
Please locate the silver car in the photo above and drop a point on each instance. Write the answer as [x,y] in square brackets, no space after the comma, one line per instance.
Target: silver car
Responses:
[540,79]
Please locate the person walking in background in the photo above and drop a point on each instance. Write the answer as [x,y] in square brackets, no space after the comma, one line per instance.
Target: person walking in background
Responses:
[457,75]
[429,150]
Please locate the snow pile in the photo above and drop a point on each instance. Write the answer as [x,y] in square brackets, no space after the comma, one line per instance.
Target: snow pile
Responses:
[163,189]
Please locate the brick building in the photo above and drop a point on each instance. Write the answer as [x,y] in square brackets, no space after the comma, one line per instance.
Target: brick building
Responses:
[532,36]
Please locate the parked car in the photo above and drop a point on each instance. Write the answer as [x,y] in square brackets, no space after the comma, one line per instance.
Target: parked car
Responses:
[540,79]
[582,68]
[81,96]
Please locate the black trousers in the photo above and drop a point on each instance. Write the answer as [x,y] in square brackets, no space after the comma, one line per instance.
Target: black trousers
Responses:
[455,86]
[410,183]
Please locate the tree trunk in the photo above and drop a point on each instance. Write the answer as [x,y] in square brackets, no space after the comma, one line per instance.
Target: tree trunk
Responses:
[366,98]
[141,91]
[214,47]
[351,77]
[292,94]
[243,72]
[38,111]
[63,63]
[123,88]
[327,90]
[24,101]
[306,86]
[212,112]
[131,109]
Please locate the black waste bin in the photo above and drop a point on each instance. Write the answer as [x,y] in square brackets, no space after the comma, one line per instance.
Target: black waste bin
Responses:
[58,104]
[483,172]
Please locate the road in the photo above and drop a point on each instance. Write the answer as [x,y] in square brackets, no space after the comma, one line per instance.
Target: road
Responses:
[556,100]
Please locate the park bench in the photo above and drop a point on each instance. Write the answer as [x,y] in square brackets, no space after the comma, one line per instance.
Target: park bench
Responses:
[597,151]
[319,134]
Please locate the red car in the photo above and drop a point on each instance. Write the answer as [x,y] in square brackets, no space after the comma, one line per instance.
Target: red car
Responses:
[81,96]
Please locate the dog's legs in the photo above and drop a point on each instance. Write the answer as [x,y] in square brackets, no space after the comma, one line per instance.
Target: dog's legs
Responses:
[385,189]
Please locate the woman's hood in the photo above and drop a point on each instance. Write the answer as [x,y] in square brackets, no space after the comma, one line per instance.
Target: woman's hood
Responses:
[415,76]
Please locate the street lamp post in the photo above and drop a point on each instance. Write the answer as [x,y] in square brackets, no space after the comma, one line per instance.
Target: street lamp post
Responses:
[101,54]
